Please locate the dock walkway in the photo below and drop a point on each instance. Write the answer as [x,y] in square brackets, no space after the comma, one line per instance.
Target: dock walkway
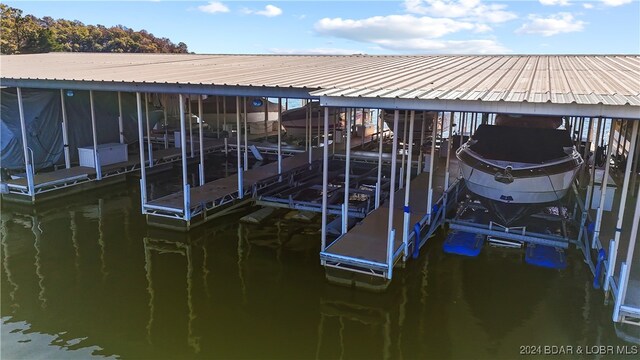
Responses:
[215,198]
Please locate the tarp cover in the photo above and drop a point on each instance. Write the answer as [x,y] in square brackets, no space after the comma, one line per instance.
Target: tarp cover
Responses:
[43,119]
[517,144]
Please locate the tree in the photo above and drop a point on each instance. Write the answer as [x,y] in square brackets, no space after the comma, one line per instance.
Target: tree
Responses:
[29,34]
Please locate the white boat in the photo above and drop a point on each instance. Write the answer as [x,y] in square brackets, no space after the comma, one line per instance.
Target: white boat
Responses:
[419,117]
[295,120]
[516,170]
[218,109]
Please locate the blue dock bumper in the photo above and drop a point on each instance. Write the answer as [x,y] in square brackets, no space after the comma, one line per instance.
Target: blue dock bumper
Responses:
[545,256]
[463,243]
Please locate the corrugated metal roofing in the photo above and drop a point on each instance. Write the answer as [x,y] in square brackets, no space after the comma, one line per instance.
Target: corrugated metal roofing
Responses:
[556,79]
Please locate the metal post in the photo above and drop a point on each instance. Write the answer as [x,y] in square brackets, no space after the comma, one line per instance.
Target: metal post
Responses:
[266,119]
[319,112]
[96,158]
[217,117]
[190,129]
[325,175]
[149,145]
[240,172]
[120,119]
[449,146]
[624,277]
[280,137]
[201,138]
[593,170]
[333,143]
[379,182]
[28,165]
[347,173]
[433,152]
[461,118]
[166,130]
[143,174]
[623,203]
[224,114]
[634,170]
[404,146]
[603,188]
[390,229]
[407,192]
[65,129]
[246,143]
[308,132]
[183,150]
[422,128]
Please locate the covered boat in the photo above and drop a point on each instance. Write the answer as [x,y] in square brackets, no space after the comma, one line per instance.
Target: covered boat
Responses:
[420,116]
[517,170]
[295,120]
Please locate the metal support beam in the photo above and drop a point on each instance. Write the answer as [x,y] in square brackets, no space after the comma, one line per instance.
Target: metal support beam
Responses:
[633,239]
[149,144]
[280,137]
[421,153]
[183,150]
[239,161]
[613,250]
[449,147]
[379,181]
[96,157]
[347,173]
[201,138]
[603,188]
[404,146]
[28,164]
[191,146]
[407,191]
[65,131]
[143,174]
[390,229]
[120,119]
[246,142]
[587,201]
[433,152]
[325,176]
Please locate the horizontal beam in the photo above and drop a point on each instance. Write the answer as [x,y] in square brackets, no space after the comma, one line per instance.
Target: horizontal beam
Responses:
[521,107]
[171,88]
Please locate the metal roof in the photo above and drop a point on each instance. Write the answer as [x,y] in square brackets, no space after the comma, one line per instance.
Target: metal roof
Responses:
[605,80]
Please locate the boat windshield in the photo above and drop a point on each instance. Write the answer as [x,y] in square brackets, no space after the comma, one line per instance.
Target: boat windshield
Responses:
[525,145]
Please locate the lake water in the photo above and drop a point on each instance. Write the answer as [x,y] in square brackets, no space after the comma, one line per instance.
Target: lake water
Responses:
[85,277]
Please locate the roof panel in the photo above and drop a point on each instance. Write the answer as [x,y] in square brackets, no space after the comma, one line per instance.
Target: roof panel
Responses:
[560,79]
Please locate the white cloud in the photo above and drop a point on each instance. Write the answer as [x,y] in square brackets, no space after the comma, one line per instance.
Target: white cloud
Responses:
[397,27]
[555,2]
[445,46]
[615,2]
[554,24]
[469,10]
[214,7]
[587,6]
[270,11]
[481,28]
[314,51]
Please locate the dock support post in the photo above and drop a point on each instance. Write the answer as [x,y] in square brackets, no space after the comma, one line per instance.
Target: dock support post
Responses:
[190,129]
[28,164]
[421,153]
[143,174]
[149,145]
[587,201]
[239,161]
[308,131]
[217,117]
[65,130]
[201,138]
[635,164]
[404,146]
[280,136]
[335,115]
[96,158]
[266,119]
[246,145]
[621,293]
[407,191]
[166,130]
[624,275]
[120,119]
[603,188]
[433,152]
[379,182]
[449,146]
[325,177]
[390,230]
[613,249]
[183,150]
[347,173]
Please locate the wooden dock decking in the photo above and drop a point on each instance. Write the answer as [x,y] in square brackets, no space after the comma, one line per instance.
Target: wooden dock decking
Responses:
[366,243]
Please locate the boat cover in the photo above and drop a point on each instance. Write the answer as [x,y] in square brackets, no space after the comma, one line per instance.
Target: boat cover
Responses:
[524,145]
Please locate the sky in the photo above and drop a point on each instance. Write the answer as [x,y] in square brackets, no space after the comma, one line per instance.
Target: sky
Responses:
[370,27]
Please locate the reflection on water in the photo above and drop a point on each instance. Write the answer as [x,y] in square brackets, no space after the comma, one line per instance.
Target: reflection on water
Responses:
[87,277]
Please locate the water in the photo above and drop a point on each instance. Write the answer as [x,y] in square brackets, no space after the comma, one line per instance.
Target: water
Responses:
[86,278]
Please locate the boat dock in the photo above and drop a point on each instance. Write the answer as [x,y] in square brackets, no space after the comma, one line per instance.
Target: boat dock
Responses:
[384,203]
